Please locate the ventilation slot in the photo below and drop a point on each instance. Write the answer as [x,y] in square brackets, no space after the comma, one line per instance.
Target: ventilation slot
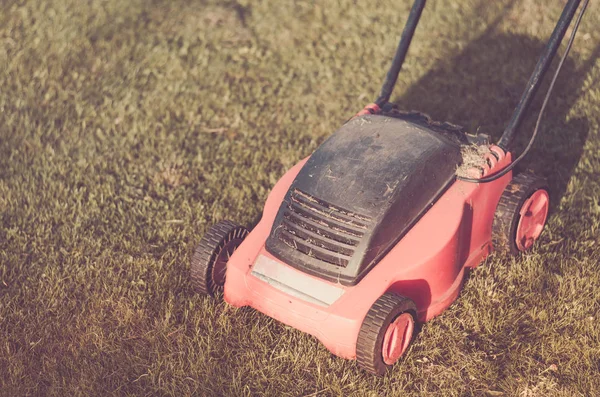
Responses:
[321,230]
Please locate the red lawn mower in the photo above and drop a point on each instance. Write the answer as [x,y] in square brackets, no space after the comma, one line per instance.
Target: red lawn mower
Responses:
[372,233]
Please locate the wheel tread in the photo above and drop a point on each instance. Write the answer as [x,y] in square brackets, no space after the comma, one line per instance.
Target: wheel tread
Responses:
[207,251]
[370,336]
[507,214]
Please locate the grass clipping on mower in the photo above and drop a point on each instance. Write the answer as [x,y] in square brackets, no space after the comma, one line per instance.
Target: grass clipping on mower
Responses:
[473,156]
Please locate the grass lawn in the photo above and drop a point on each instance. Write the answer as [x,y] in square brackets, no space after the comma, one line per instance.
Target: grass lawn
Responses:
[127,128]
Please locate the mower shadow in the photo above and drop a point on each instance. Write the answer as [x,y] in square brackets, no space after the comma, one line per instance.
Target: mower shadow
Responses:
[480,87]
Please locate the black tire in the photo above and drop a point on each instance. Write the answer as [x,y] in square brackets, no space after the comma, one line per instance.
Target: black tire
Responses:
[209,262]
[370,337]
[507,216]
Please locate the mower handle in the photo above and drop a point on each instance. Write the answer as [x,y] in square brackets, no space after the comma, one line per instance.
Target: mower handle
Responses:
[538,73]
[405,39]
[532,85]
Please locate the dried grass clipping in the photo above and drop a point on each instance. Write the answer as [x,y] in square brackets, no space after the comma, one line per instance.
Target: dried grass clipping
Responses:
[473,156]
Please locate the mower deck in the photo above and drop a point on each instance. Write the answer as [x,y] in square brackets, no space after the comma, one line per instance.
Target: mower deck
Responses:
[454,234]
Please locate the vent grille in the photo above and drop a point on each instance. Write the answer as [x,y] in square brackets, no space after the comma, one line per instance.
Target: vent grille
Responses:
[321,230]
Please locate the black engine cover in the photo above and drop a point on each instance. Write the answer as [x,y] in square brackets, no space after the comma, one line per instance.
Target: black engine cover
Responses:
[359,193]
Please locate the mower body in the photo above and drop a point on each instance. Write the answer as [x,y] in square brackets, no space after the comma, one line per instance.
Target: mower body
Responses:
[376,208]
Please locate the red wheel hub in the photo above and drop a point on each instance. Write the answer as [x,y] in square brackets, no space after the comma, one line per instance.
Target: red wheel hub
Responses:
[397,338]
[533,218]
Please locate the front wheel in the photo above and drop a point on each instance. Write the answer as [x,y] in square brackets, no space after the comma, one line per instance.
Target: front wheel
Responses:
[209,262]
[386,333]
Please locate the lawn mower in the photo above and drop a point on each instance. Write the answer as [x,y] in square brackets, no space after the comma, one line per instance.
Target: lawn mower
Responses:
[371,235]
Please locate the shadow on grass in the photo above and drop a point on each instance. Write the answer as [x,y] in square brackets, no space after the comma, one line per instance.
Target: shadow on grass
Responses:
[480,87]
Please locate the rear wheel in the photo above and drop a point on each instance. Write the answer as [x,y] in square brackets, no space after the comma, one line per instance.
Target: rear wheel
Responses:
[521,214]
[209,262]
[386,333]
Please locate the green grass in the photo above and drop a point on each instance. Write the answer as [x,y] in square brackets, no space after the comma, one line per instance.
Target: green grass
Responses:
[128,127]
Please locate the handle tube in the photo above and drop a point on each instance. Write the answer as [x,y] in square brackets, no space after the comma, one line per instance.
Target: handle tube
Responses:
[538,74]
[405,39]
